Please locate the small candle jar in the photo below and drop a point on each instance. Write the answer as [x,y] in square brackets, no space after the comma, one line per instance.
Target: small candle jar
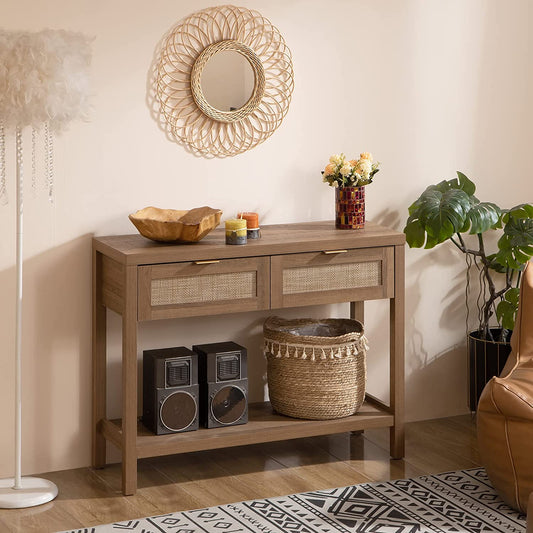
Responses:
[236,231]
[252,224]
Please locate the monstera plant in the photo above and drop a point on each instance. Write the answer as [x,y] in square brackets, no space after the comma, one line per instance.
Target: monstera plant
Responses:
[451,211]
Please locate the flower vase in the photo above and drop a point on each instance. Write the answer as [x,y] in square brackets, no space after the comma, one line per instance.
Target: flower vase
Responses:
[350,207]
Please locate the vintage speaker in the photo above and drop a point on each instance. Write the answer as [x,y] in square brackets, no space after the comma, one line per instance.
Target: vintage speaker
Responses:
[170,390]
[222,372]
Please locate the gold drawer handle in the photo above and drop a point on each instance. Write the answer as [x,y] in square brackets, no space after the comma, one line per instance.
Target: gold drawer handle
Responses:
[327,252]
[207,262]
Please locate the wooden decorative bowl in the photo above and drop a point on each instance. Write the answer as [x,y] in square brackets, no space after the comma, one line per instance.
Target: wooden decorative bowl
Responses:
[171,225]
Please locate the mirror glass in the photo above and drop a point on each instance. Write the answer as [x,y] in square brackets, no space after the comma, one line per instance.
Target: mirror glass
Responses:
[227,80]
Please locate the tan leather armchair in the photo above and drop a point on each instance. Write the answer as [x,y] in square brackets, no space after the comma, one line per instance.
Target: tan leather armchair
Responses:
[505,411]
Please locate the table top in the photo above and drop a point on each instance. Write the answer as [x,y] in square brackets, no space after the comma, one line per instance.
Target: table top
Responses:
[275,239]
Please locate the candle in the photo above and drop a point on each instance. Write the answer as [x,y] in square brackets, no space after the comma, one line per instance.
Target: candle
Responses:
[252,219]
[252,222]
[236,231]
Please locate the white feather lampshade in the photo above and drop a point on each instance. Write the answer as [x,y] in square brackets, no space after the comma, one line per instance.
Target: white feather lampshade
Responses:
[44,77]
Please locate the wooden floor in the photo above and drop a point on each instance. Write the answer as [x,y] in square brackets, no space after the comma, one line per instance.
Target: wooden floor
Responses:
[89,497]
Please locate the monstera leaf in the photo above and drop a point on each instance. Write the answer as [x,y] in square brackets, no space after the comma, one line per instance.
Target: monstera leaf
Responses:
[507,308]
[482,217]
[448,208]
[463,183]
[516,244]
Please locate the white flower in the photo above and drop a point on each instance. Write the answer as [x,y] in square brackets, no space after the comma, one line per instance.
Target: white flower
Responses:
[364,167]
[337,159]
[346,169]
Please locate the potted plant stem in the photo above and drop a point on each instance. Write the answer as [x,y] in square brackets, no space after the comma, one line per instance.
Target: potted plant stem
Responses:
[450,211]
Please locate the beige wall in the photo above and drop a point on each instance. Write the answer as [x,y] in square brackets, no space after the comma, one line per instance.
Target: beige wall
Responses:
[428,86]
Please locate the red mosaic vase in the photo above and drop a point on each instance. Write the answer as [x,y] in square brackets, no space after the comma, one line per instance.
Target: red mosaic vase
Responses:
[350,208]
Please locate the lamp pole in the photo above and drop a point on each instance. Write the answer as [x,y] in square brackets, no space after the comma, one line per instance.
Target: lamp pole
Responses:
[18,337]
[19,492]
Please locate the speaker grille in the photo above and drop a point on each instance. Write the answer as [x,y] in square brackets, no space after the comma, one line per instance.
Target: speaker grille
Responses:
[228,405]
[228,367]
[178,373]
[178,411]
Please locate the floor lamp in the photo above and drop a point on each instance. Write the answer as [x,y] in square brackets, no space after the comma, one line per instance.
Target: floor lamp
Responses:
[44,86]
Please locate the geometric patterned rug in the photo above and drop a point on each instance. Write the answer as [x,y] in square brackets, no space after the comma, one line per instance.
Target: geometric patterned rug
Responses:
[460,502]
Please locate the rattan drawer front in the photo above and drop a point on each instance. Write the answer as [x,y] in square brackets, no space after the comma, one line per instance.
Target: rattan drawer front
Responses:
[322,277]
[191,289]
[331,277]
[199,289]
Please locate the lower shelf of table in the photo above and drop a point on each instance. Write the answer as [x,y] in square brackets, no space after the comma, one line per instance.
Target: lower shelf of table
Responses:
[263,426]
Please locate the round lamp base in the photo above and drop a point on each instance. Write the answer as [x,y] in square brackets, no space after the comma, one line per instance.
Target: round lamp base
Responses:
[34,491]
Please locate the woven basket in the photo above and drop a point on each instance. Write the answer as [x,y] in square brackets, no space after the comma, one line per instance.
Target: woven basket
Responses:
[316,369]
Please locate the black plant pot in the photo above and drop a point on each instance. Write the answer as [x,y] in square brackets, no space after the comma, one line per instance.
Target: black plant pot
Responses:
[486,359]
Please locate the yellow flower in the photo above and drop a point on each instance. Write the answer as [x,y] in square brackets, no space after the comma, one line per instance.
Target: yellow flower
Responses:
[329,170]
[337,159]
[342,172]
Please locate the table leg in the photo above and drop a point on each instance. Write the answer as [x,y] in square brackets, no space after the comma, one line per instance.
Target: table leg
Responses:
[397,355]
[99,377]
[357,311]
[129,384]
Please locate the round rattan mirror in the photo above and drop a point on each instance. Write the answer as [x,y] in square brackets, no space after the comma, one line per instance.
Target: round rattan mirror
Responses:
[189,117]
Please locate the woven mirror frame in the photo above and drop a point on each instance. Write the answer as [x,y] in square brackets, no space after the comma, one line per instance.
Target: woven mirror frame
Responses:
[257,93]
[187,115]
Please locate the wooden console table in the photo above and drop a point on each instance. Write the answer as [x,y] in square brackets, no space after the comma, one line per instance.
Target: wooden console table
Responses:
[291,265]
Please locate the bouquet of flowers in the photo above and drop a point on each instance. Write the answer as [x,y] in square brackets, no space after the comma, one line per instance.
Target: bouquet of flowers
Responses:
[341,172]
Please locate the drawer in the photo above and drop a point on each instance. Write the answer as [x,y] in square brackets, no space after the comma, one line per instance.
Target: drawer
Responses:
[332,276]
[203,288]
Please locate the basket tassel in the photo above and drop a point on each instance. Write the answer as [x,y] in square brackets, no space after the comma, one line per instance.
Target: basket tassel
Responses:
[279,349]
[364,342]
